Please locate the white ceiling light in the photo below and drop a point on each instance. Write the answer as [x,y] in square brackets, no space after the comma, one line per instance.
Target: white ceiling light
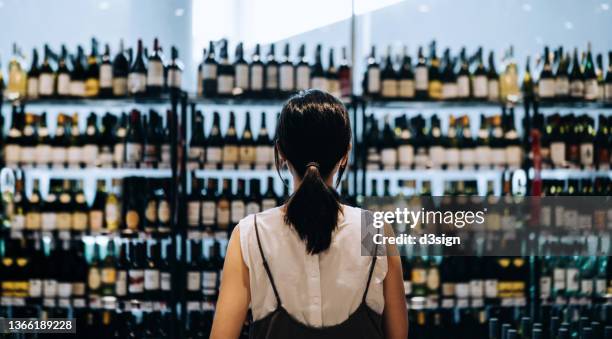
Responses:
[569,25]
[179,12]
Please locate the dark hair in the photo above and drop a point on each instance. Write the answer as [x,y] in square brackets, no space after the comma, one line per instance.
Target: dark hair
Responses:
[313,133]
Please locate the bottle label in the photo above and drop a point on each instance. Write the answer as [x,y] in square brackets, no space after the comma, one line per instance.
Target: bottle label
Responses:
[480,87]
[247,155]
[514,156]
[557,153]
[467,156]
[493,90]
[193,281]
[586,154]
[405,154]
[242,76]
[32,88]
[406,88]
[77,88]
[463,86]
[163,212]
[223,215]
[462,290]
[213,155]
[118,154]
[257,77]
[545,287]
[193,213]
[48,221]
[483,156]
[590,89]
[373,80]
[43,154]
[319,83]
[264,155]
[490,288]
[209,209]
[12,153]
[437,154]
[136,83]
[96,220]
[389,157]
[63,221]
[18,222]
[452,157]
[209,71]
[418,276]
[498,155]
[577,88]
[476,288]
[132,219]
[196,154]
[559,279]
[448,289]
[46,84]
[79,221]
[165,281]
[151,279]
[287,81]
[267,204]
[136,281]
[175,78]
[586,287]
[209,281]
[92,87]
[572,283]
[155,73]
[119,87]
[109,275]
[74,154]
[133,152]
[35,288]
[449,90]
[63,84]
[562,86]
[546,88]
[106,76]
[237,211]
[33,221]
[608,92]
[230,154]
[421,78]
[49,288]
[389,88]
[272,77]
[302,78]
[545,216]
[151,212]
[90,154]
[94,279]
[121,285]
[252,208]
[407,287]
[111,211]
[433,279]
[225,84]
[27,155]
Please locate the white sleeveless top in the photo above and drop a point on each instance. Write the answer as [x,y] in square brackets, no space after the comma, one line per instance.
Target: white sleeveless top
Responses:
[318,290]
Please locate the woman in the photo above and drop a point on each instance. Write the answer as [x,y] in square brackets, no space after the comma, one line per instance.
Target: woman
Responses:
[299,266]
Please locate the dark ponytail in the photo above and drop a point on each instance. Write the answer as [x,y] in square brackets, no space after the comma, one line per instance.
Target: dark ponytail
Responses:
[313,134]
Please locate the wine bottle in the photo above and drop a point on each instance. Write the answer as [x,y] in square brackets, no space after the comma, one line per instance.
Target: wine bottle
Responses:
[608,80]
[134,141]
[96,212]
[271,74]
[78,75]
[345,76]
[121,271]
[94,277]
[194,206]
[121,68]
[238,204]
[576,79]
[590,78]
[479,81]
[388,147]
[46,79]
[372,79]
[119,142]
[546,83]
[194,277]
[137,75]
[230,146]
[406,90]
[214,146]
[467,150]
[63,75]
[333,82]
[12,148]
[150,207]
[302,70]
[108,271]
[264,151]
[75,148]
[152,273]
[286,74]
[225,73]
[92,75]
[33,74]
[405,148]
[483,149]
[253,200]
[493,80]
[197,142]
[105,79]
[256,74]
[514,156]
[247,152]
[163,207]
[223,206]
[463,77]
[317,74]
[155,71]
[132,206]
[80,209]
[136,271]
[389,78]
[434,89]
[175,71]
[270,199]
[448,77]
[91,140]
[452,147]
[17,80]
[28,141]
[421,76]
[562,85]
[209,206]
[528,87]
[241,71]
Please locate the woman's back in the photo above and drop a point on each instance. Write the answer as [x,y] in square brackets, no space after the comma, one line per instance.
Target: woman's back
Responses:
[317,290]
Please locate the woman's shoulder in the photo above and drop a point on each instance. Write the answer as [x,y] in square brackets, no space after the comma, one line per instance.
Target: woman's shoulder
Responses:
[265,219]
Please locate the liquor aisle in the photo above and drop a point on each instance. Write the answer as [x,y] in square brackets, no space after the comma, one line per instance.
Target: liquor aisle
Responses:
[120,186]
